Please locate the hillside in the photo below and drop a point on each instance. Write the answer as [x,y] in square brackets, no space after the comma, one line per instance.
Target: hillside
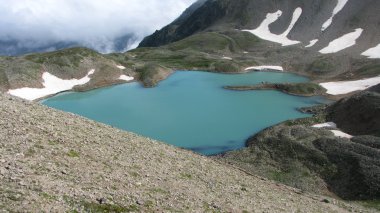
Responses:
[60,162]
[319,157]
[321,39]
[312,20]
[55,161]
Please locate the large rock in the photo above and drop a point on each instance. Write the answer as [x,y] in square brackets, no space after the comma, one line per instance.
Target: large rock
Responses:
[359,114]
[314,160]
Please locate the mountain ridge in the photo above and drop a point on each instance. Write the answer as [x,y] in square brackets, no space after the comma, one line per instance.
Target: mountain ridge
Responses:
[248,14]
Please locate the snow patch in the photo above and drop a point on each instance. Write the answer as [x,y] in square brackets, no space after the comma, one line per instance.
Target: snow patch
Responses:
[279,68]
[373,52]
[341,134]
[312,43]
[296,15]
[227,58]
[343,42]
[328,124]
[339,6]
[52,85]
[126,78]
[344,87]
[120,67]
[263,31]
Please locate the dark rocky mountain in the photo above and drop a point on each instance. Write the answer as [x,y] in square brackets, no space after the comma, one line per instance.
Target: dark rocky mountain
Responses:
[359,114]
[222,15]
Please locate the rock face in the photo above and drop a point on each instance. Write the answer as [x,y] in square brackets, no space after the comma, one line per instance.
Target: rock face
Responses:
[53,161]
[314,160]
[359,114]
[357,167]
[221,15]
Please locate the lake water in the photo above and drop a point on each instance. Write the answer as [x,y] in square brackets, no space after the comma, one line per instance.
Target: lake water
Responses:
[191,109]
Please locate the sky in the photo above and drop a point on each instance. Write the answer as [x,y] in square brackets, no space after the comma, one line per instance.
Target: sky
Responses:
[93,23]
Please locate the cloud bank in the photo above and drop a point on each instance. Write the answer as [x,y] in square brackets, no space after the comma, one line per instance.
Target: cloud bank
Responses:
[93,23]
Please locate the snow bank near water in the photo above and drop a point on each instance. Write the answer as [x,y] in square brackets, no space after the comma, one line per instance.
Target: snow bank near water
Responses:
[120,67]
[263,31]
[279,68]
[337,133]
[52,85]
[227,58]
[126,78]
[341,134]
[328,124]
[340,5]
[343,42]
[373,52]
[344,87]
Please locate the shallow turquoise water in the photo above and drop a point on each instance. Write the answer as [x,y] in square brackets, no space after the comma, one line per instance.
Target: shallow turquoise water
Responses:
[191,109]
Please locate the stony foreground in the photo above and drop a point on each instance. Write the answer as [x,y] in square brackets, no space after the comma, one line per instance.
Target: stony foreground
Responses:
[55,162]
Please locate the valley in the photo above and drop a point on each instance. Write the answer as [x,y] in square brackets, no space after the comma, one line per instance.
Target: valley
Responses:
[268,67]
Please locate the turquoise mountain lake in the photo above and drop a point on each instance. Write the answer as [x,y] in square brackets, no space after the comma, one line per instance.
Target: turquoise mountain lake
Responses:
[191,109]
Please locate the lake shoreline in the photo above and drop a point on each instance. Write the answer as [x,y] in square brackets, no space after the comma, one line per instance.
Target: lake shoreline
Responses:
[199,87]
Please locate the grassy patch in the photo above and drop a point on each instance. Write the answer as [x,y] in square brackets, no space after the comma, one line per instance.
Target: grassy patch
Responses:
[48,196]
[302,88]
[374,204]
[96,207]
[73,154]
[204,42]
[159,191]
[134,174]
[369,70]
[65,57]
[30,152]
[186,176]
[306,121]
[322,66]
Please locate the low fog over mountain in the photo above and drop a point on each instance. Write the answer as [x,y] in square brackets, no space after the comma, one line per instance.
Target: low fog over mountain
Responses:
[106,26]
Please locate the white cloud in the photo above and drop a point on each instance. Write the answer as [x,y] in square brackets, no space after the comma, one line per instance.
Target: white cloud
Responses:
[92,22]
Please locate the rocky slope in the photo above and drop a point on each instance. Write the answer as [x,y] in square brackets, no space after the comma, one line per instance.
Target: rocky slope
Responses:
[248,14]
[359,114]
[311,30]
[211,36]
[315,159]
[55,161]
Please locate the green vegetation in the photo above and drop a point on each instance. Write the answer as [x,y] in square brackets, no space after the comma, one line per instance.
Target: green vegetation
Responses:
[374,204]
[48,196]
[369,70]
[66,57]
[186,176]
[73,154]
[99,208]
[322,66]
[159,191]
[307,89]
[200,51]
[301,89]
[202,42]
